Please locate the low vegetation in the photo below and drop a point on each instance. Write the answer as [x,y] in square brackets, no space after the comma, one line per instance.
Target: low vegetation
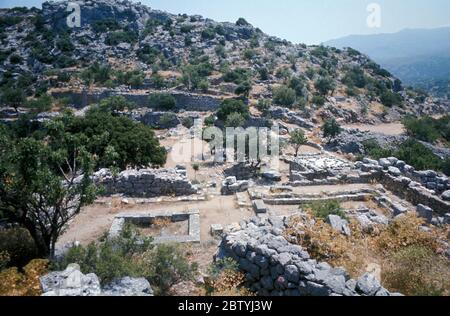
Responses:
[409,257]
[428,129]
[412,152]
[132,254]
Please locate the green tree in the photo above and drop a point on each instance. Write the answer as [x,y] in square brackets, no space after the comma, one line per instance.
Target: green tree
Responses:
[325,85]
[235,120]
[232,106]
[242,22]
[284,96]
[42,104]
[244,89]
[13,98]
[116,104]
[390,99]
[44,184]
[298,139]
[331,129]
[129,143]
[162,101]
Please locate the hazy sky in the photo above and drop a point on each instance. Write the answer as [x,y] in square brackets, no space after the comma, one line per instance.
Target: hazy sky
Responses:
[306,21]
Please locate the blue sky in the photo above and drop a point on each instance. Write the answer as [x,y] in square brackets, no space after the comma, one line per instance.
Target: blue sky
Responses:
[307,21]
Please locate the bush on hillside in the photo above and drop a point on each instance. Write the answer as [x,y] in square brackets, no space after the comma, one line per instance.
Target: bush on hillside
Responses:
[162,101]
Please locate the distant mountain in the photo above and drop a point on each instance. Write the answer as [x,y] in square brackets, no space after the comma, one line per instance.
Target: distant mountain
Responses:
[419,57]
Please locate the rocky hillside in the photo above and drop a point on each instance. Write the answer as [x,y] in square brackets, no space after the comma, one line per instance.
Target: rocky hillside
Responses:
[128,46]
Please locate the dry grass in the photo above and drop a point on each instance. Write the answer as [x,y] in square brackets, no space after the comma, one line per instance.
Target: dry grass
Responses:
[15,283]
[411,258]
[162,222]
[228,283]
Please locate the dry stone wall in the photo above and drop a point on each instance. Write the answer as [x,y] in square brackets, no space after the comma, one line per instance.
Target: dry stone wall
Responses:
[146,183]
[184,101]
[276,267]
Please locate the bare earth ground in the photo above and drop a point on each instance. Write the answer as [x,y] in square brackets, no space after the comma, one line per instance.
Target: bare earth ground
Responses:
[392,129]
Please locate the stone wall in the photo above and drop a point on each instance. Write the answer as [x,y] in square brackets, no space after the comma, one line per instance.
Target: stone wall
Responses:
[275,267]
[398,177]
[184,101]
[146,183]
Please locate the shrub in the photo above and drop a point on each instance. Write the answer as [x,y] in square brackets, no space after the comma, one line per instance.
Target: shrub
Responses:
[64,44]
[242,22]
[264,106]
[263,74]
[15,59]
[325,85]
[244,89]
[232,106]
[418,156]
[284,96]
[374,150]
[4,259]
[355,78]
[15,283]
[96,73]
[208,34]
[167,118]
[226,279]
[234,120]
[166,265]
[203,85]
[101,26]
[210,120]
[237,76]
[331,129]
[320,51]
[42,104]
[187,122]
[110,259]
[195,76]
[446,167]
[416,270]
[116,104]
[13,97]
[249,54]
[318,100]
[18,244]
[162,101]
[220,51]
[428,129]
[390,99]
[124,36]
[324,209]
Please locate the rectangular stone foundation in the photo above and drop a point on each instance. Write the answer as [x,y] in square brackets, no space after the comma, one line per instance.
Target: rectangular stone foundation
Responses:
[146,218]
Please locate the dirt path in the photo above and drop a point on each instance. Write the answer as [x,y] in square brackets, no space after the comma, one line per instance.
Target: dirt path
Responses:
[391,129]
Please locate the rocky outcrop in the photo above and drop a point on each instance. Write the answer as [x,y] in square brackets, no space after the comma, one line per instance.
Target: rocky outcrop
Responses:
[290,117]
[72,282]
[276,267]
[351,141]
[145,183]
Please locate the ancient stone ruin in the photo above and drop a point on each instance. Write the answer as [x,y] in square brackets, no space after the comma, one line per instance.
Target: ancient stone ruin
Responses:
[192,219]
[145,183]
[275,267]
